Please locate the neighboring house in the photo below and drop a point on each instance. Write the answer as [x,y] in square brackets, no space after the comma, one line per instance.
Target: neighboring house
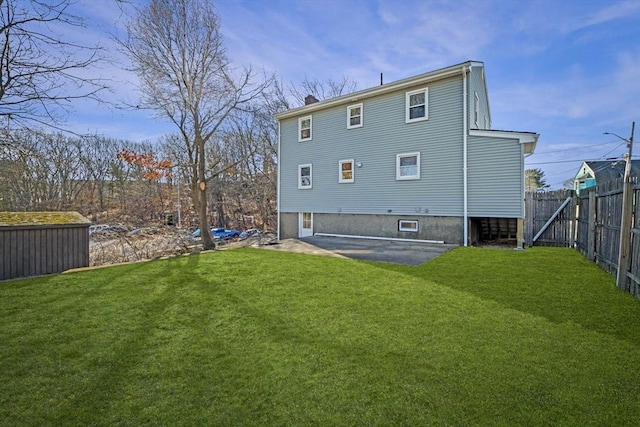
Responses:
[591,174]
[413,159]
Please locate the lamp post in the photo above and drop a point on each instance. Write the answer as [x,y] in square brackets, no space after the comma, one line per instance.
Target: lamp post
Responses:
[625,223]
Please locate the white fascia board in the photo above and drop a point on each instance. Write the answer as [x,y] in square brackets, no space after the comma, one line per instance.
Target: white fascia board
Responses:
[378,90]
[527,139]
[585,170]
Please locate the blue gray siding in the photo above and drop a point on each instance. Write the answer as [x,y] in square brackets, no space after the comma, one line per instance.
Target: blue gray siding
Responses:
[495,176]
[477,85]
[385,134]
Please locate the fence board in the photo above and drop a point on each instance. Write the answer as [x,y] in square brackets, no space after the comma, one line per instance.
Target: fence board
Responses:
[540,206]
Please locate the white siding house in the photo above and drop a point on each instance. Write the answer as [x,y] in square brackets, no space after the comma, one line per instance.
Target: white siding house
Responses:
[413,159]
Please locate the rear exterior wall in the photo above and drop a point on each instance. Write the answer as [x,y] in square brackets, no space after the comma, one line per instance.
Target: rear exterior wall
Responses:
[384,134]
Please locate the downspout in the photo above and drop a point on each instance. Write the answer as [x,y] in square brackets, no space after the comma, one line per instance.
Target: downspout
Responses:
[278,188]
[465,132]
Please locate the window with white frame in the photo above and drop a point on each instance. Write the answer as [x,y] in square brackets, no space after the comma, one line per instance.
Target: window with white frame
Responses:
[417,103]
[408,166]
[346,171]
[408,225]
[354,116]
[476,109]
[304,128]
[304,176]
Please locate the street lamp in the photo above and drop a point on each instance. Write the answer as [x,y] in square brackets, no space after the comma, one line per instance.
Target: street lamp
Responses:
[625,223]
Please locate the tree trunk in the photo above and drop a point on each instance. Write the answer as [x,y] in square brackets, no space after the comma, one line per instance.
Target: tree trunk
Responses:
[207,241]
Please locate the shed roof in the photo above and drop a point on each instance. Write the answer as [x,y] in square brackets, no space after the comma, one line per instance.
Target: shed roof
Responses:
[41,218]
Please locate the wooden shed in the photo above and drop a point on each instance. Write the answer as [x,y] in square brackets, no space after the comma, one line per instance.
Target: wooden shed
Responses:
[36,243]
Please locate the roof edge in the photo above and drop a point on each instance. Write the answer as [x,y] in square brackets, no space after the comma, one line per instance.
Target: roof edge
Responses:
[528,139]
[430,76]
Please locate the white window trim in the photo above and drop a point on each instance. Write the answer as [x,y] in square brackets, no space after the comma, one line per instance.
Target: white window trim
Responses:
[405,228]
[353,171]
[399,177]
[300,120]
[305,187]
[426,105]
[351,107]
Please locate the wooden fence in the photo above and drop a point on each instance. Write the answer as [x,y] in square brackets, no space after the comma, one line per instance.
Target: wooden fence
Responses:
[555,208]
[589,223]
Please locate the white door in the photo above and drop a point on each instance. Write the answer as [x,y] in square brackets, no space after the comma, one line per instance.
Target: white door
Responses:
[305,224]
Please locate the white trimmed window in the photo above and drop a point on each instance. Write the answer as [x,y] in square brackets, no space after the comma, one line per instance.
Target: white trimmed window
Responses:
[305,176]
[346,171]
[354,116]
[408,225]
[304,128]
[476,109]
[417,105]
[408,166]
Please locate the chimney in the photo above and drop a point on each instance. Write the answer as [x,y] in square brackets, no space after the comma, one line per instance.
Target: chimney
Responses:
[310,99]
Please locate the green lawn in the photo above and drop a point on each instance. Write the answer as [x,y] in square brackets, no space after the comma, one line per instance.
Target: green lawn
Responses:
[256,337]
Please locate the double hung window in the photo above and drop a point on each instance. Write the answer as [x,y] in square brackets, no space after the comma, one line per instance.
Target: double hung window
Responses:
[408,166]
[305,177]
[346,171]
[417,105]
[354,116]
[305,128]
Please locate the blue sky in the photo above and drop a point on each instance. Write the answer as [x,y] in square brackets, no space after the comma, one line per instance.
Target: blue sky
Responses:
[566,69]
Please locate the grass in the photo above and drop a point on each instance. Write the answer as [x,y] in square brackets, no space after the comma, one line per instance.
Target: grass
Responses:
[255,337]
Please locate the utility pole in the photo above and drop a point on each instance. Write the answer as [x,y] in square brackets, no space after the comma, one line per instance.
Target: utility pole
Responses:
[625,223]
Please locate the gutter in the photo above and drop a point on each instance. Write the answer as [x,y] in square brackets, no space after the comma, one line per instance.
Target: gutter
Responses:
[278,188]
[465,214]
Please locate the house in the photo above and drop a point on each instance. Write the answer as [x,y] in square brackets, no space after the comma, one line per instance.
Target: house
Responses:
[591,174]
[412,159]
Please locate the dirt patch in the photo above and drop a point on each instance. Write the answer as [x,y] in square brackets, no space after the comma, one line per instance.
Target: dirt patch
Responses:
[153,243]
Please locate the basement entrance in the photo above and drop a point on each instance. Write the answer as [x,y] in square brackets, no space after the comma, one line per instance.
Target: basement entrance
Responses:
[502,231]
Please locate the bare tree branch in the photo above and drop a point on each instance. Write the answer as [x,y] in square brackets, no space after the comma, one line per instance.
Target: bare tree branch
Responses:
[41,73]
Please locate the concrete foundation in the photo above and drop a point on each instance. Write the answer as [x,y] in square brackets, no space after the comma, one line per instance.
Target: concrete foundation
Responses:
[447,229]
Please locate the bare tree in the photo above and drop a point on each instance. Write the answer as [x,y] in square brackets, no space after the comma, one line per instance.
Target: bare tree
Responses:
[40,71]
[178,53]
[322,89]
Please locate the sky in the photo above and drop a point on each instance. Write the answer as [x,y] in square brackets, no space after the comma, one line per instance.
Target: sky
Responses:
[568,70]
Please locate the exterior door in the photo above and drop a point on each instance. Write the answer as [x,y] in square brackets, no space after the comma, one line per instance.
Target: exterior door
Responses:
[305,224]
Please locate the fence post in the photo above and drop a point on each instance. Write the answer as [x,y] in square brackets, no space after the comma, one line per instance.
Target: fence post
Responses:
[573,221]
[625,234]
[591,237]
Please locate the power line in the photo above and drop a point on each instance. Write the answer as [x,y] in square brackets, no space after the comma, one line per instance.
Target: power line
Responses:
[569,161]
[577,148]
[613,159]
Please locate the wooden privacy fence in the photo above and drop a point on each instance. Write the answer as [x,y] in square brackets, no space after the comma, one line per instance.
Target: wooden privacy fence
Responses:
[550,218]
[589,223]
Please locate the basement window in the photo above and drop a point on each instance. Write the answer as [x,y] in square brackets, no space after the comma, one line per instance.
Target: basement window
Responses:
[408,225]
